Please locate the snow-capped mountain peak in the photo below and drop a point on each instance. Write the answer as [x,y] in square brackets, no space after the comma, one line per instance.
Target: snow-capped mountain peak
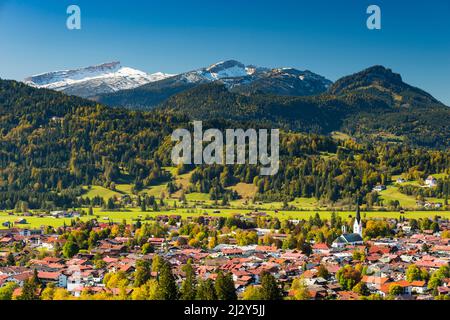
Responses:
[98,82]
[95,80]
[226,69]
[245,79]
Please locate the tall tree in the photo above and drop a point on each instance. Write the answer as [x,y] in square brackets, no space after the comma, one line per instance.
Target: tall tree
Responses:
[10,261]
[224,286]
[189,286]
[31,287]
[167,288]
[269,287]
[70,248]
[142,273]
[206,290]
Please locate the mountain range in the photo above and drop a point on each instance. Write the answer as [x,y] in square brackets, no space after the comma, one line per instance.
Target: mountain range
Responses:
[114,85]
[374,104]
[94,80]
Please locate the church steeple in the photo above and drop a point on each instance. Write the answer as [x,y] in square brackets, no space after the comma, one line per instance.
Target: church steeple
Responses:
[357,225]
[358,214]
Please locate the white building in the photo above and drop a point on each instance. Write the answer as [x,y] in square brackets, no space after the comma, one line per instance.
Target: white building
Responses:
[354,238]
[431,182]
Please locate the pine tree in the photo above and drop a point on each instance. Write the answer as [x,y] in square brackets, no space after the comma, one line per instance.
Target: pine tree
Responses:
[188,288]
[167,288]
[30,290]
[206,290]
[10,261]
[269,287]
[333,220]
[110,205]
[156,263]
[224,286]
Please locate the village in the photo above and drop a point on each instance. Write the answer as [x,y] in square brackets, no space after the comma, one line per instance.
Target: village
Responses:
[358,262]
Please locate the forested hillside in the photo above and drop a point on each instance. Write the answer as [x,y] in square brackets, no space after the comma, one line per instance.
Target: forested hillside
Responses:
[374,105]
[51,145]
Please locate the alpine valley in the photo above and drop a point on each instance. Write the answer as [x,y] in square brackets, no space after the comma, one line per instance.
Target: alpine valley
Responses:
[92,206]
[337,139]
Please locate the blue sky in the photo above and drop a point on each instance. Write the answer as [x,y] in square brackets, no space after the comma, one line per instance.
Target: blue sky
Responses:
[328,37]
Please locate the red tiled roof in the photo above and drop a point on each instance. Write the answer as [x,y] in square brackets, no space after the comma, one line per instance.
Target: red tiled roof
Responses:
[232,251]
[348,295]
[266,249]
[320,246]
[374,280]
[48,275]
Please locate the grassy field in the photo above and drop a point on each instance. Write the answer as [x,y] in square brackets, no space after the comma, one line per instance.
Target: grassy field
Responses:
[392,193]
[340,136]
[135,213]
[245,190]
[124,188]
[442,176]
[98,191]
[198,197]
[34,222]
[198,203]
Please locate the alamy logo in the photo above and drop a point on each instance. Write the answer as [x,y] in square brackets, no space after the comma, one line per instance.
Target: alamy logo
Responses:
[74,20]
[235,147]
[374,20]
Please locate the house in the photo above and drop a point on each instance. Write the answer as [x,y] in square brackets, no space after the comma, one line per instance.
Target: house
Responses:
[57,278]
[408,288]
[419,287]
[379,188]
[74,283]
[20,277]
[156,242]
[20,221]
[431,182]
[321,248]
[29,233]
[57,214]
[232,251]
[6,240]
[374,283]
[401,180]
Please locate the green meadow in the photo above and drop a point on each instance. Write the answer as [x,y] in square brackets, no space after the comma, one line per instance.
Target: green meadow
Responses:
[134,214]
[198,204]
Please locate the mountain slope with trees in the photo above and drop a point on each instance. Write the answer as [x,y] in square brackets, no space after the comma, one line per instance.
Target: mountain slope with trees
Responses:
[372,105]
[51,145]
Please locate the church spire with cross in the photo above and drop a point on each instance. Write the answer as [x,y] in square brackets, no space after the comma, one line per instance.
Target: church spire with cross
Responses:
[357,225]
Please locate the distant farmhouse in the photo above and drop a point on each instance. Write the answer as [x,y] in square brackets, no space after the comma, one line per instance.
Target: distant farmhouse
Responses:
[379,188]
[431,182]
[20,221]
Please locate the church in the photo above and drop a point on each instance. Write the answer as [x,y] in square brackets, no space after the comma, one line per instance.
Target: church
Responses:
[354,238]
